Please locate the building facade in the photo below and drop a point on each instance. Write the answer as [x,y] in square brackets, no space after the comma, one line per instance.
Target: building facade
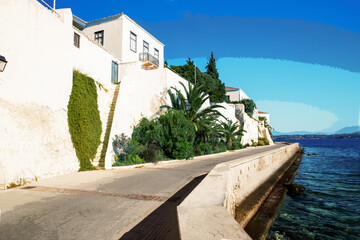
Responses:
[125,38]
[235,94]
[265,115]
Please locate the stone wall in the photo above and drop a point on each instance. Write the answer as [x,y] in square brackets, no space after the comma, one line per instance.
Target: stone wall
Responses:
[208,212]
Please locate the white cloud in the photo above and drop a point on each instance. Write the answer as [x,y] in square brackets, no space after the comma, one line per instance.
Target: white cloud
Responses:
[292,116]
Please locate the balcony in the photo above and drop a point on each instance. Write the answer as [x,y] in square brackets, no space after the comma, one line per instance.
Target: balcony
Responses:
[149,61]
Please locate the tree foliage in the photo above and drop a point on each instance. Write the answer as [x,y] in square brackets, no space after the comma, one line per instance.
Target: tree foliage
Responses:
[230,131]
[191,104]
[84,119]
[171,132]
[211,67]
[249,105]
[213,85]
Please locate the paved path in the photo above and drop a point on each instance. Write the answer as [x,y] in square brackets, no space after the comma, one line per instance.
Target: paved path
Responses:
[138,203]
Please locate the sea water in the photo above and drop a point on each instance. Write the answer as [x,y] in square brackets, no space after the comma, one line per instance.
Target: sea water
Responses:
[331,207]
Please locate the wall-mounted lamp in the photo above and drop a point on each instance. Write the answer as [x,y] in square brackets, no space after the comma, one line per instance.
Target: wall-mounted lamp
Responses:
[3,63]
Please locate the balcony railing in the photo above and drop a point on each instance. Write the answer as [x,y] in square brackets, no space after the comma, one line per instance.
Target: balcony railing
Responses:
[145,56]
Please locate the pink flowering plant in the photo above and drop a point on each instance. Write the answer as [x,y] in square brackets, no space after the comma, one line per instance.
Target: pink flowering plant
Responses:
[121,145]
[127,151]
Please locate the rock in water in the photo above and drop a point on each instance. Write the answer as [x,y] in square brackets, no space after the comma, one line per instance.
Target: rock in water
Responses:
[295,190]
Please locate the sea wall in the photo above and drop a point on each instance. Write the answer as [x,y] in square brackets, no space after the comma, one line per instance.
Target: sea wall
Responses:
[209,211]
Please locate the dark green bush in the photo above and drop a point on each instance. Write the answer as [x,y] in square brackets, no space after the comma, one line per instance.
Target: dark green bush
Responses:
[237,145]
[203,148]
[249,106]
[84,119]
[147,132]
[264,140]
[152,153]
[220,147]
[177,135]
[170,133]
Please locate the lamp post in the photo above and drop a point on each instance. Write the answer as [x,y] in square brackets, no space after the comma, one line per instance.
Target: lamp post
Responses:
[3,63]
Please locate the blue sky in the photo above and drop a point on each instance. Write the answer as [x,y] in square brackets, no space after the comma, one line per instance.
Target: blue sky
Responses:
[299,60]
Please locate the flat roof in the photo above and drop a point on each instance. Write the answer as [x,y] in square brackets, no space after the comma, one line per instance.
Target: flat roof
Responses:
[230,88]
[85,24]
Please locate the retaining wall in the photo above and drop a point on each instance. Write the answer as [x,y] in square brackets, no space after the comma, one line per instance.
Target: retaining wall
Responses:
[208,212]
[35,87]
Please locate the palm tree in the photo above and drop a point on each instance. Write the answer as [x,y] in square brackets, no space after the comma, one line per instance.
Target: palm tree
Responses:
[230,131]
[191,104]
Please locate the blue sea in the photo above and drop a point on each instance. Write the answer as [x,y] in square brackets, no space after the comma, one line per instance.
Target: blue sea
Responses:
[331,207]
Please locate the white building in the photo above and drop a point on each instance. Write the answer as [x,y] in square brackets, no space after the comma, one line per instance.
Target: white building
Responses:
[235,94]
[125,38]
[265,115]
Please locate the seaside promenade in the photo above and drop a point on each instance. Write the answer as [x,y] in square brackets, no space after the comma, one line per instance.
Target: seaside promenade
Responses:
[126,203]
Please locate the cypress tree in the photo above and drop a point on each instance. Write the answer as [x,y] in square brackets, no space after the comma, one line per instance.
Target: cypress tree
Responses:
[189,62]
[211,67]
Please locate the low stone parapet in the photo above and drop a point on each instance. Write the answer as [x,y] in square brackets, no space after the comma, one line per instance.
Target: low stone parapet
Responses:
[209,211]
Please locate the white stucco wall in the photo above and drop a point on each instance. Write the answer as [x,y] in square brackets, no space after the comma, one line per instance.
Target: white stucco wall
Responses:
[141,94]
[112,35]
[233,95]
[117,38]
[36,44]
[127,54]
[242,95]
[35,89]
[236,95]
[34,92]
[92,59]
[265,115]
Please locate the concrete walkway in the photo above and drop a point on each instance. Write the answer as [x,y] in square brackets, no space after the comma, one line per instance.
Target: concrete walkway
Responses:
[138,203]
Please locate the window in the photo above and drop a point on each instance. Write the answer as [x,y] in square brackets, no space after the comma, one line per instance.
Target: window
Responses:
[146,47]
[76,40]
[132,41]
[114,72]
[99,37]
[227,97]
[156,53]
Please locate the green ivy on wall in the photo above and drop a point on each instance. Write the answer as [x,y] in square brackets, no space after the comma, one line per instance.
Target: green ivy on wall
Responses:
[84,119]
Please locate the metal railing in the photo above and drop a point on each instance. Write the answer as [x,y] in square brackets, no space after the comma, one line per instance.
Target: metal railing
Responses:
[145,56]
[48,6]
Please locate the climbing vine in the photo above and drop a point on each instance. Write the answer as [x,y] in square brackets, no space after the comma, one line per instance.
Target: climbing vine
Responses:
[84,119]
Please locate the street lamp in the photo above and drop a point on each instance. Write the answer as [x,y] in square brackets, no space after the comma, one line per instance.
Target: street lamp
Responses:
[3,63]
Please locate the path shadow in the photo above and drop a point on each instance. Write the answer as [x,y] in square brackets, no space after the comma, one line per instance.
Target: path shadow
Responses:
[162,222]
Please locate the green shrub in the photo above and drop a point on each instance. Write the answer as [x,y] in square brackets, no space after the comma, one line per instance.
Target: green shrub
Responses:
[249,106]
[264,140]
[203,148]
[219,147]
[261,143]
[237,145]
[177,135]
[170,133]
[147,132]
[84,119]
[152,153]
[127,151]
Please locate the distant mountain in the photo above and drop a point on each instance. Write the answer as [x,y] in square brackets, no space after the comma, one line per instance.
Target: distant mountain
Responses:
[344,130]
[276,133]
[317,136]
[352,129]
